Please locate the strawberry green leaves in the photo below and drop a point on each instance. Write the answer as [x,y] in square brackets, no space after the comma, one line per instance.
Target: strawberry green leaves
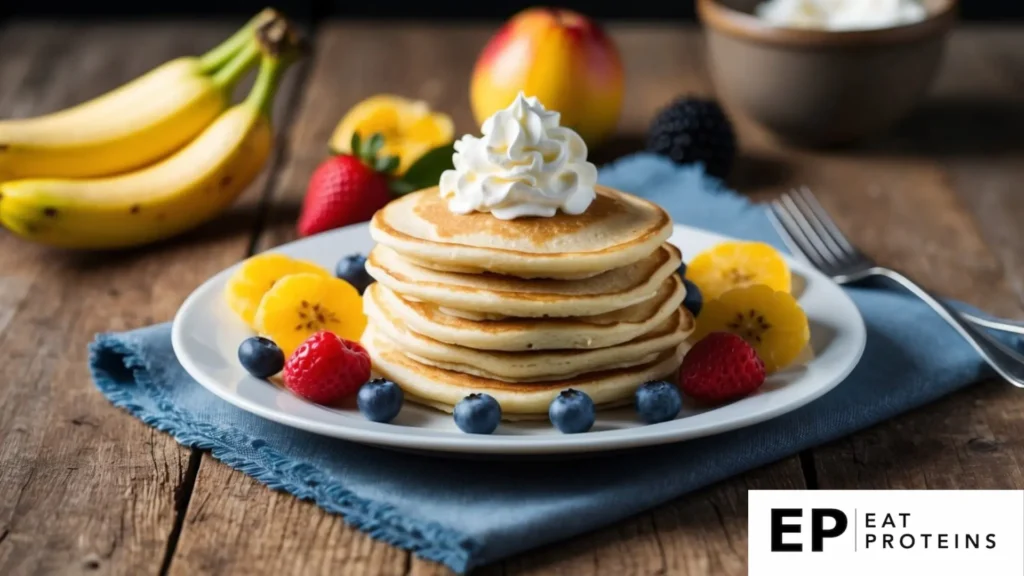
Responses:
[423,173]
[367,151]
[426,171]
[386,164]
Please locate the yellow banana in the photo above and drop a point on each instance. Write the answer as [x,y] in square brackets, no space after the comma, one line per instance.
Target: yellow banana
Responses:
[181,192]
[134,125]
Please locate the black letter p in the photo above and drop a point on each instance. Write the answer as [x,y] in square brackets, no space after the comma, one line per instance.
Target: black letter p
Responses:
[818,532]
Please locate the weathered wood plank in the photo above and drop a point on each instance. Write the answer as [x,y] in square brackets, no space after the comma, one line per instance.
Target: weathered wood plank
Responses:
[968,441]
[87,488]
[980,107]
[236,525]
[434,63]
[952,216]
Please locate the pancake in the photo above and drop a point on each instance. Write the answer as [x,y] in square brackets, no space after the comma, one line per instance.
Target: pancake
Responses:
[468,315]
[612,290]
[439,387]
[529,366]
[525,368]
[517,334]
[615,231]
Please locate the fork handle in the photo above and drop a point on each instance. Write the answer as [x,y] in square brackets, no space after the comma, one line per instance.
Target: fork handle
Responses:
[1006,361]
[992,323]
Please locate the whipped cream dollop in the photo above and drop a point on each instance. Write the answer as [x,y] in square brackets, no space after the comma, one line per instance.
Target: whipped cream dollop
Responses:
[524,164]
[840,15]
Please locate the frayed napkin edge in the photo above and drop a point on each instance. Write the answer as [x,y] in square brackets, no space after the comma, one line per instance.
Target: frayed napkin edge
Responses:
[116,364]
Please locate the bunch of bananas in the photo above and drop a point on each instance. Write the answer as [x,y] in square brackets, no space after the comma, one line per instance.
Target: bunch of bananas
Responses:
[153,158]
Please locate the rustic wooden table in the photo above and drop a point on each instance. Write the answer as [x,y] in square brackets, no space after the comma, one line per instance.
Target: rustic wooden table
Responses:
[85,488]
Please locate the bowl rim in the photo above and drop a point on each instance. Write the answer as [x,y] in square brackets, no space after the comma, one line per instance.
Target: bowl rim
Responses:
[721,18]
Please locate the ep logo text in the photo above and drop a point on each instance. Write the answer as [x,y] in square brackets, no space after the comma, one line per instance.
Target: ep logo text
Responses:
[823,523]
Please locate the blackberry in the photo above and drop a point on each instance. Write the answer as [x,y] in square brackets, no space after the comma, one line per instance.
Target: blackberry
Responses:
[694,130]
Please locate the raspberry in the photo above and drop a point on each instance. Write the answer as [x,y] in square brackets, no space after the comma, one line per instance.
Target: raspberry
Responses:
[719,368]
[324,369]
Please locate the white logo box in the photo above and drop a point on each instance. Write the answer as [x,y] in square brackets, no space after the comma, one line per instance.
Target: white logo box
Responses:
[881,532]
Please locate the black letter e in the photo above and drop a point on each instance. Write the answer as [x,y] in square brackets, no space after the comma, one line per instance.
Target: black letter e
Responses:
[779,528]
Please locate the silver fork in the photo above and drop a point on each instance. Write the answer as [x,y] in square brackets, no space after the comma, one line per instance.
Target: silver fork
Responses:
[809,231]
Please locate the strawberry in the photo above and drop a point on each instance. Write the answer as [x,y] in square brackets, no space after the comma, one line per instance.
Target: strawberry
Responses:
[325,369]
[347,188]
[719,368]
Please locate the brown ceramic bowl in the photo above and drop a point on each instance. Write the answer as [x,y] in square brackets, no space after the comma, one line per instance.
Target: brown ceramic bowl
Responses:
[820,88]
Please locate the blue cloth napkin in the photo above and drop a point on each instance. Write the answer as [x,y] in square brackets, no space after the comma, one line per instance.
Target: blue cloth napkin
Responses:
[465,513]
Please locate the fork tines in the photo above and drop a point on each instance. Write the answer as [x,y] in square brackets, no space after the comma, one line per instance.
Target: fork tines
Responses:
[807,229]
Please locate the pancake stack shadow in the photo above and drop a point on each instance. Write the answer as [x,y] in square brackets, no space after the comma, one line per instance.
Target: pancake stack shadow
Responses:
[523,309]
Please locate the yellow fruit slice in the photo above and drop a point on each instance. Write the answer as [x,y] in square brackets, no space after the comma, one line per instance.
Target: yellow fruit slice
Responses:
[300,305]
[258,274]
[736,264]
[769,320]
[409,127]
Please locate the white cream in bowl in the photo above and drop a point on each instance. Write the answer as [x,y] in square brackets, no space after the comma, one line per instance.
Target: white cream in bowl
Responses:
[841,15]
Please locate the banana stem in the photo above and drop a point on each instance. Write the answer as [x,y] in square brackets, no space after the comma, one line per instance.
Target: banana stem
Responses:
[281,45]
[233,71]
[264,89]
[224,52]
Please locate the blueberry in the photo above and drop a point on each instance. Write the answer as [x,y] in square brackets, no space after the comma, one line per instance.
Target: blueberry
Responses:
[352,269]
[682,270]
[477,414]
[658,401]
[572,412]
[380,400]
[260,357]
[693,301]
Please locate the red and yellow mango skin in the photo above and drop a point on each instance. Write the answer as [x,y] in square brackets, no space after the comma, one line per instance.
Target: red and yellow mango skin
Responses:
[564,59]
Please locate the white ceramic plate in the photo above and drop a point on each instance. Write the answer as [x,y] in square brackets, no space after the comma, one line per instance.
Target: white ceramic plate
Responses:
[206,335]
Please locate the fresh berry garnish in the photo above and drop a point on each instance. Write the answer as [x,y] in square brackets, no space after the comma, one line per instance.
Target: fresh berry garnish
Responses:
[658,401]
[477,414]
[693,301]
[769,320]
[324,369]
[694,130]
[719,368]
[736,264]
[681,270]
[348,188]
[572,412]
[352,269]
[380,400]
[260,357]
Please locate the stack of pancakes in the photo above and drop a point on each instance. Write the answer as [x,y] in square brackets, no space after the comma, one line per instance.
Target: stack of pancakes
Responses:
[523,309]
